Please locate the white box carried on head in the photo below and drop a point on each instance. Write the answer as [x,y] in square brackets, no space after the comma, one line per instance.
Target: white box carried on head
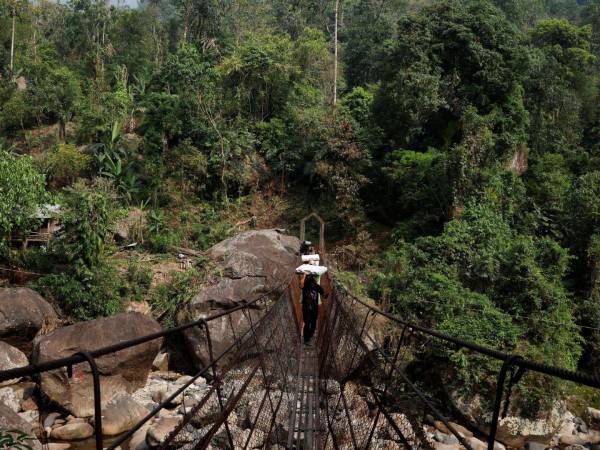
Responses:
[311,259]
[311,269]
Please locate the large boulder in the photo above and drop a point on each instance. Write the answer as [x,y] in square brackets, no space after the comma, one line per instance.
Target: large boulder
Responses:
[73,431]
[11,358]
[23,312]
[245,266]
[592,417]
[126,370]
[10,420]
[121,414]
[518,426]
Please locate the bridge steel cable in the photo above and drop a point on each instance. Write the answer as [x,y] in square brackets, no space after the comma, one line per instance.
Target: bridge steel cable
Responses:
[263,378]
[554,371]
[90,356]
[516,364]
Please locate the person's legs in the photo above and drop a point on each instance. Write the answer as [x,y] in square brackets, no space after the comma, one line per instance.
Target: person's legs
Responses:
[307,322]
[313,324]
[306,333]
[310,324]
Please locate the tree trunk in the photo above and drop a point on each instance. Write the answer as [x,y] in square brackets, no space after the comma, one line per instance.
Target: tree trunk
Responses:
[12,41]
[62,130]
[34,43]
[335,50]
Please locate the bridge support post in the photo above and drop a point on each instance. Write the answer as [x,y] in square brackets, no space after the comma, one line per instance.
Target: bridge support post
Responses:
[508,362]
[97,398]
[387,379]
[216,379]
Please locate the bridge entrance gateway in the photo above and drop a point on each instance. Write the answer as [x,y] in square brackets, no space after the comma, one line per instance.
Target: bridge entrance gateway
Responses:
[348,391]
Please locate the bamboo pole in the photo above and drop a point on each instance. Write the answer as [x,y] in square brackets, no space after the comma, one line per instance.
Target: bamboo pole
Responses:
[335,50]
[12,40]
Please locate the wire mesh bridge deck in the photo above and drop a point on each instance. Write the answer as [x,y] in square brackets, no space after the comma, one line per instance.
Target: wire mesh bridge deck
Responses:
[349,390]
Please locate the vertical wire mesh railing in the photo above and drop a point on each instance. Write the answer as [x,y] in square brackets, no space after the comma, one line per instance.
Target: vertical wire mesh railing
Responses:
[249,403]
[360,394]
[362,415]
[251,380]
[385,409]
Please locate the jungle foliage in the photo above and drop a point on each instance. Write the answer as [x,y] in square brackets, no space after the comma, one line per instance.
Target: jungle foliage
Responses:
[469,128]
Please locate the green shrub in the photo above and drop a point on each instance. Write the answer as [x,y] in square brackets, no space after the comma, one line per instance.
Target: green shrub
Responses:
[210,230]
[156,221]
[167,298]
[163,242]
[65,163]
[22,192]
[12,439]
[139,279]
[90,213]
[83,296]
[352,281]
[483,281]
[36,259]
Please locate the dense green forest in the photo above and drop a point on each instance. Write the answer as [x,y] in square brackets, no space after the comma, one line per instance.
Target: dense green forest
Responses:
[455,156]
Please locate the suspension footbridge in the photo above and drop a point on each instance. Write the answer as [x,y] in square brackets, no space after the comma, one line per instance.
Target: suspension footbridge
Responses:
[269,390]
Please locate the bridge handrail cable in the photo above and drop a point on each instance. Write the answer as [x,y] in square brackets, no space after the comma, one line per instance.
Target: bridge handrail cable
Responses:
[559,372]
[77,358]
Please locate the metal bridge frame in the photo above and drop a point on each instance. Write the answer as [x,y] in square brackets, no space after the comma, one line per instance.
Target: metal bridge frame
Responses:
[342,328]
[91,356]
[315,216]
[344,303]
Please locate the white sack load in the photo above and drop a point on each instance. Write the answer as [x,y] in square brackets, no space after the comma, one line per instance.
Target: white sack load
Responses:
[310,258]
[311,269]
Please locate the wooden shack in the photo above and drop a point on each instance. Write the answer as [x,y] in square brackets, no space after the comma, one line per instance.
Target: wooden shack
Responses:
[49,215]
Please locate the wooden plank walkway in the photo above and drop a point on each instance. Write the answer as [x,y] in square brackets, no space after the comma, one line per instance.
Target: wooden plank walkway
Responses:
[304,425]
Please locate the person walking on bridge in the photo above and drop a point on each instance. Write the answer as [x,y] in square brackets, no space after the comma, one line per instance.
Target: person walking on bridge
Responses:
[310,304]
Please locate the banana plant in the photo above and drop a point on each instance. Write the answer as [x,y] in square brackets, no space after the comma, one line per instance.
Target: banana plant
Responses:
[109,159]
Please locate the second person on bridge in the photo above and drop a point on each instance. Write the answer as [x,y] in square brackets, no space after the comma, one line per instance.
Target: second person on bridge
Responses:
[310,304]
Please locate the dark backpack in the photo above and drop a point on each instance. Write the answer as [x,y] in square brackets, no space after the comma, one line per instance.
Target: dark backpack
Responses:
[310,297]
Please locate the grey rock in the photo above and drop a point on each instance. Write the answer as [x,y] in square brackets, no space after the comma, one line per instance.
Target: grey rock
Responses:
[11,397]
[123,371]
[57,446]
[11,358]
[50,419]
[23,313]
[580,439]
[11,420]
[448,439]
[121,414]
[165,376]
[568,427]
[480,445]
[592,417]
[72,419]
[183,379]
[138,440]
[32,417]
[161,362]
[440,446]
[531,445]
[245,267]
[160,430]
[163,393]
[72,432]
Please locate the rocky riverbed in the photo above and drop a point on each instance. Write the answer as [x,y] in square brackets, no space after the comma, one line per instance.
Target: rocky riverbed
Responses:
[135,381]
